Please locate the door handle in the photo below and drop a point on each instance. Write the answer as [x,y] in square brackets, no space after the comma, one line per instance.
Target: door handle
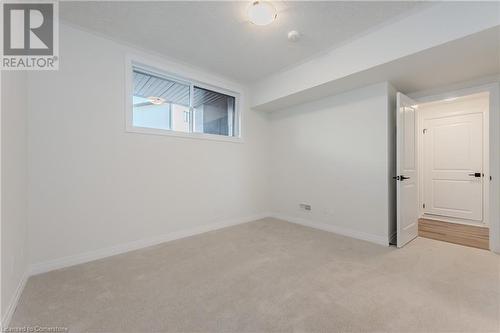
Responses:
[476,174]
[401,178]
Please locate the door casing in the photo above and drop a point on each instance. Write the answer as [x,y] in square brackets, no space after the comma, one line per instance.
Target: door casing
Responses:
[426,114]
[493,89]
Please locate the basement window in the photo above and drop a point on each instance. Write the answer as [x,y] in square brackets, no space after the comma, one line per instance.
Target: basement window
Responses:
[169,105]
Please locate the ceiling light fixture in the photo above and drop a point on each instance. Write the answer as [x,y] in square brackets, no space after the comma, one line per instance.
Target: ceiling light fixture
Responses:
[156,100]
[262,13]
[451,99]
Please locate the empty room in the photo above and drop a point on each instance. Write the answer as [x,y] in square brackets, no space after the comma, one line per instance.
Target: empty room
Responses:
[250,166]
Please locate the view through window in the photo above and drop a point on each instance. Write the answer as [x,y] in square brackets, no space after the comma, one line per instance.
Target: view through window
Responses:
[164,103]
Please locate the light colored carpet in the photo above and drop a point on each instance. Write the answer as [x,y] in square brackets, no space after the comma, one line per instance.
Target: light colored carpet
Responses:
[272,276]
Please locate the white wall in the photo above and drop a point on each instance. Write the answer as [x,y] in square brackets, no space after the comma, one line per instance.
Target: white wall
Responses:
[334,155]
[94,186]
[14,187]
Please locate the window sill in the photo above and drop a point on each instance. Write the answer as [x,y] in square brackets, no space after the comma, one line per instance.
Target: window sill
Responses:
[197,136]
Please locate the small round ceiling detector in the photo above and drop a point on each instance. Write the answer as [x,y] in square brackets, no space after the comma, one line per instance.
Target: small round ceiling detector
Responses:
[293,36]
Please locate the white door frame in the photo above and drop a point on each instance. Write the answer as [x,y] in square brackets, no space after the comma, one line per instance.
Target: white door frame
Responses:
[494,147]
[422,117]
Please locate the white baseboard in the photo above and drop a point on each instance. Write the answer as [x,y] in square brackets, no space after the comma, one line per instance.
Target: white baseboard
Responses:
[13,302]
[335,229]
[51,265]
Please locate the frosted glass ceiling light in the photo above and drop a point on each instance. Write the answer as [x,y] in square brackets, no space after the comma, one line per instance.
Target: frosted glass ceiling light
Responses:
[262,13]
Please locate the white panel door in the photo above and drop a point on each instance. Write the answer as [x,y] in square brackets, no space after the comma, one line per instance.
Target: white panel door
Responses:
[453,166]
[407,190]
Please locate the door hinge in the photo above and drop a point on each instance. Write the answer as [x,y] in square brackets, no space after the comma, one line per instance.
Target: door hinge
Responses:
[423,205]
[424,130]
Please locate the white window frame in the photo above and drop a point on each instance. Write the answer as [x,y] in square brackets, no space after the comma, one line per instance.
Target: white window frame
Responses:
[160,70]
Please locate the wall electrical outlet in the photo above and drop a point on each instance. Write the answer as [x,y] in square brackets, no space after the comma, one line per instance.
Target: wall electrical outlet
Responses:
[305,206]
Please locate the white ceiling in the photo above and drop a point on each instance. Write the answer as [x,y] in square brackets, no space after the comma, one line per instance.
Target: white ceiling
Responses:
[217,37]
[471,58]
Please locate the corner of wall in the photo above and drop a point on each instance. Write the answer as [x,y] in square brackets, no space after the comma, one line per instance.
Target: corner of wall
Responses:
[11,306]
[14,108]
